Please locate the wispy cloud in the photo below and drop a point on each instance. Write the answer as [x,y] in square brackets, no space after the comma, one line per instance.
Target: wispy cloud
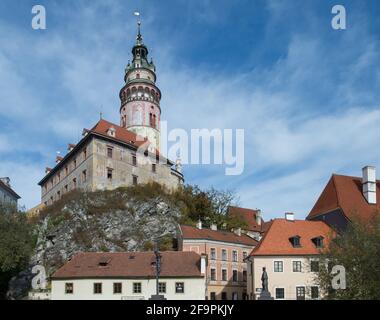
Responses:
[307,97]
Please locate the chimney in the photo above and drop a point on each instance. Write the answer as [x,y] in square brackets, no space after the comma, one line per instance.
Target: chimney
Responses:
[258,217]
[203,264]
[47,170]
[238,231]
[289,216]
[199,224]
[369,184]
[58,159]
[70,147]
[214,227]
[6,181]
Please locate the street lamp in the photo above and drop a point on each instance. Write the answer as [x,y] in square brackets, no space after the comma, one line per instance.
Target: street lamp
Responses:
[157,254]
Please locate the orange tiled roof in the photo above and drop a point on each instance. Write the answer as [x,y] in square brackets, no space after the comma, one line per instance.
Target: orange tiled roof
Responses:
[248,216]
[276,240]
[130,264]
[189,232]
[345,192]
[121,133]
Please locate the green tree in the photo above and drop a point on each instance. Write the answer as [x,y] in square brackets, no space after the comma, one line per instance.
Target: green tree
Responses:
[16,244]
[357,249]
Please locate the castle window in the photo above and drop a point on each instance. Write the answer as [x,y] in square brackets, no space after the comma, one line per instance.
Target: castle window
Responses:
[134,180]
[109,152]
[109,173]
[85,154]
[84,175]
[154,121]
[154,167]
[66,170]
[66,188]
[134,160]
[74,183]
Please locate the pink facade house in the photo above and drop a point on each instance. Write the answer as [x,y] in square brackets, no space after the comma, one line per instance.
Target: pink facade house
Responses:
[226,273]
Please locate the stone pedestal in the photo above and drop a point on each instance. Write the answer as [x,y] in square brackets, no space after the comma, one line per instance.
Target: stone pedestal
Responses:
[265,295]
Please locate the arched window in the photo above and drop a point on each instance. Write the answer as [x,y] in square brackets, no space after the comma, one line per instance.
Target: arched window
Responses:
[154,121]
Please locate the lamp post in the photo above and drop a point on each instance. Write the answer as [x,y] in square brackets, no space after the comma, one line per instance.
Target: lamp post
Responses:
[157,254]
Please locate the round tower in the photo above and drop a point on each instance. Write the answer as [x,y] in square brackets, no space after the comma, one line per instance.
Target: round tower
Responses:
[140,98]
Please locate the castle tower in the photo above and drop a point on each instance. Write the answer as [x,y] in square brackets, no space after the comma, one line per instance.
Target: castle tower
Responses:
[140,98]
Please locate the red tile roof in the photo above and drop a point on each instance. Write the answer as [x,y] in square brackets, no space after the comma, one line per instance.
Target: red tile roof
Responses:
[130,264]
[121,133]
[276,240]
[9,189]
[189,232]
[345,193]
[248,216]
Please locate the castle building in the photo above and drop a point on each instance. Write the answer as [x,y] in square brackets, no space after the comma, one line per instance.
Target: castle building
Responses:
[110,155]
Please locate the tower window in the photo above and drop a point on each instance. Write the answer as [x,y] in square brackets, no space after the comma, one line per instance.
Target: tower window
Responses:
[84,175]
[138,76]
[74,183]
[154,167]
[134,160]
[109,173]
[109,152]
[134,180]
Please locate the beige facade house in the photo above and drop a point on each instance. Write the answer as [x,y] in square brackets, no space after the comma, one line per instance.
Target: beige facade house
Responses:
[110,155]
[226,275]
[130,276]
[289,252]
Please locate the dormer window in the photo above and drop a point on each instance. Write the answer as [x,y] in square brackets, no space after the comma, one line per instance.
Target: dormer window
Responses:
[111,132]
[104,262]
[295,241]
[318,242]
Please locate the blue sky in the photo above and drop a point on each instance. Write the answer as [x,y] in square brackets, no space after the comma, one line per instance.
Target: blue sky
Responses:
[306,95]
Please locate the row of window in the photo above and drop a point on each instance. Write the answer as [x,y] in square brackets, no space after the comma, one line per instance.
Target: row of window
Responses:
[296,242]
[118,287]
[224,275]
[224,255]
[278,266]
[69,168]
[140,91]
[134,160]
[300,293]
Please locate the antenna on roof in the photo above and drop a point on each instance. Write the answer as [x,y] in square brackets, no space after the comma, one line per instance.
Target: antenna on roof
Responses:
[101,112]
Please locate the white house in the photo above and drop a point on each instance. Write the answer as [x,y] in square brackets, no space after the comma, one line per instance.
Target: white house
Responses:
[130,276]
